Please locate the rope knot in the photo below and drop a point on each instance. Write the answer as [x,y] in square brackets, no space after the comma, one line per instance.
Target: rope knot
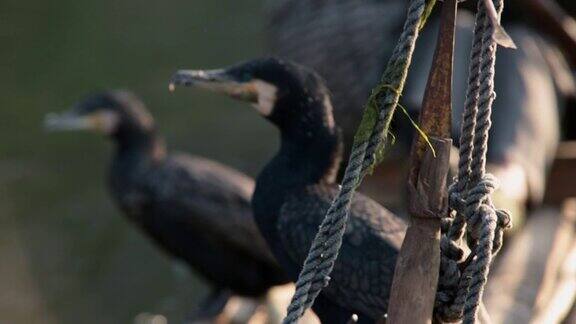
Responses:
[469,196]
[446,223]
[483,188]
[455,200]
[504,219]
[451,249]
[326,281]
[476,222]
[450,274]
[443,298]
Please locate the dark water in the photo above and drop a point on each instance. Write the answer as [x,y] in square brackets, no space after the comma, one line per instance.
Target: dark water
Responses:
[66,254]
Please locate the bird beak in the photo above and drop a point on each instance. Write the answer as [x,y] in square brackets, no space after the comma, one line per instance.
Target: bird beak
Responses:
[215,80]
[67,121]
[103,122]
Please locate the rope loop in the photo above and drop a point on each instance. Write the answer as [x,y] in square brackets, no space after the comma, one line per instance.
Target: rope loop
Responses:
[455,200]
[504,219]
[470,194]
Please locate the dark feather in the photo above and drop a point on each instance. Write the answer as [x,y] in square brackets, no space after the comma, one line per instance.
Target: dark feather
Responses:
[195,209]
[364,269]
[199,211]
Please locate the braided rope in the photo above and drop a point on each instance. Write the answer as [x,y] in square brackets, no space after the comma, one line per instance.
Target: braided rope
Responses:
[461,283]
[326,245]
[449,281]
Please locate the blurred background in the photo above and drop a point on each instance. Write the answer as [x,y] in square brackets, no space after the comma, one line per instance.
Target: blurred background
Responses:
[67,254]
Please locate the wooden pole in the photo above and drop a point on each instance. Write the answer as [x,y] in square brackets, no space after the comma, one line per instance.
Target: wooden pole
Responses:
[416,274]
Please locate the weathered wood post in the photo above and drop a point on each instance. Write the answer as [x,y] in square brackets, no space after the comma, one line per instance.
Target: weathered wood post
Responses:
[417,269]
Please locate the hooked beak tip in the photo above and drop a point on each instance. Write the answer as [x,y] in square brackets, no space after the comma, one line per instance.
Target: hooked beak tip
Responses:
[211,79]
[181,77]
[50,122]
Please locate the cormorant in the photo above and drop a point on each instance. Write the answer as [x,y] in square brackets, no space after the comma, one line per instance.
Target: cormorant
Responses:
[295,189]
[195,209]
[348,43]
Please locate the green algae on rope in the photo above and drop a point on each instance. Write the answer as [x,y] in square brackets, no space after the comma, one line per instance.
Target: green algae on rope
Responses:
[385,89]
[427,12]
[315,273]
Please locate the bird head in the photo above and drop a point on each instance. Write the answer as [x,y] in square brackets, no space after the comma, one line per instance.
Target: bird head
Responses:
[284,92]
[113,113]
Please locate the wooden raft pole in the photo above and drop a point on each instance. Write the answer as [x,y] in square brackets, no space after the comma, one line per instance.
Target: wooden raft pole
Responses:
[417,269]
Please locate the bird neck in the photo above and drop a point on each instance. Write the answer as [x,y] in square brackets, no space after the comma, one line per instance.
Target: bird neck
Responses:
[310,159]
[134,151]
[305,158]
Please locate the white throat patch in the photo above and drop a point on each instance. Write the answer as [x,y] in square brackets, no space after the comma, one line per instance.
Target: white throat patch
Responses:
[105,121]
[266,96]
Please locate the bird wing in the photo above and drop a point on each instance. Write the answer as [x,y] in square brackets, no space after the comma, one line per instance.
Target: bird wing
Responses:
[363,272]
[212,199]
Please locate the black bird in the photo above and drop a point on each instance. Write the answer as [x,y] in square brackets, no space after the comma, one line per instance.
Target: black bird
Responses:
[296,187]
[346,42]
[195,209]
